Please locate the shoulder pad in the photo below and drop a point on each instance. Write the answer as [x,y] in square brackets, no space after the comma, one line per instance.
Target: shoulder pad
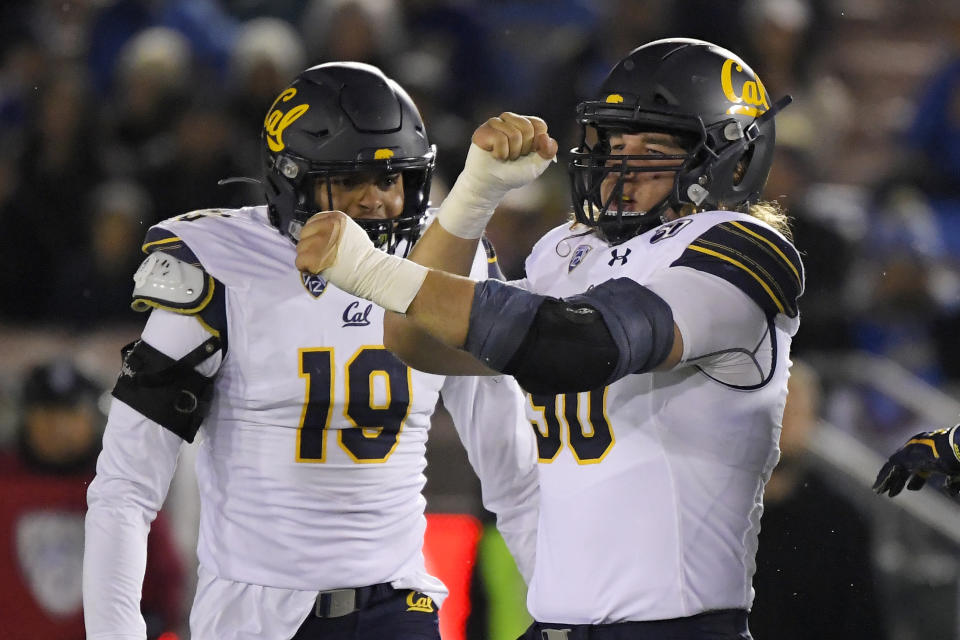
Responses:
[164,281]
[757,260]
[162,239]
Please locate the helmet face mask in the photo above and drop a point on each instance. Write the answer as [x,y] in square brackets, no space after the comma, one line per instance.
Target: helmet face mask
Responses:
[342,119]
[707,98]
[594,166]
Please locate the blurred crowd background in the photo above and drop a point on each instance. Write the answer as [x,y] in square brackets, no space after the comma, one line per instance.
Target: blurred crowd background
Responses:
[117,114]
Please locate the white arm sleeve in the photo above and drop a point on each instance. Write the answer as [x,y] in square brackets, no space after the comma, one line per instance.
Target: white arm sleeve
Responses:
[725,333]
[134,470]
[488,413]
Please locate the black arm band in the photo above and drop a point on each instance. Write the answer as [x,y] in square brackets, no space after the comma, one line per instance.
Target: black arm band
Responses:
[567,349]
[170,392]
[576,344]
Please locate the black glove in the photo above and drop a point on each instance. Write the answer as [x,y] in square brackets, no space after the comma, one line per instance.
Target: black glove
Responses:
[931,452]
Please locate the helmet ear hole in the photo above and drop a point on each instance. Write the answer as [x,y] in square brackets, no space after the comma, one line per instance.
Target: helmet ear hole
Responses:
[743,165]
[739,171]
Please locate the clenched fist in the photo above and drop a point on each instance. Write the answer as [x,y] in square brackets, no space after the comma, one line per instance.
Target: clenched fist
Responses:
[501,158]
[319,241]
[333,244]
[510,136]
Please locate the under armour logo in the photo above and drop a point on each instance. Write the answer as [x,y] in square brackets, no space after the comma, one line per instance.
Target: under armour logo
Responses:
[616,256]
[353,317]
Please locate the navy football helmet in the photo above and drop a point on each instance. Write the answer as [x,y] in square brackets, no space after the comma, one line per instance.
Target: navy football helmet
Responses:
[343,118]
[704,95]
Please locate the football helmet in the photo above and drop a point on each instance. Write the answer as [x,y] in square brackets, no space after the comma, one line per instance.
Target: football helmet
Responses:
[704,95]
[342,118]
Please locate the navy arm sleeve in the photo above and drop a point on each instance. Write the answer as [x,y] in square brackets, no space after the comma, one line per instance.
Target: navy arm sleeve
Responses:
[567,345]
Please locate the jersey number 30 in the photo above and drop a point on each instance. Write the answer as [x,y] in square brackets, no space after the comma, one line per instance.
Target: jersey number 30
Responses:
[590,440]
[377,425]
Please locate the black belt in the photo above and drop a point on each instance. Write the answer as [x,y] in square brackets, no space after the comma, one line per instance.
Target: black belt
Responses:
[335,603]
[726,623]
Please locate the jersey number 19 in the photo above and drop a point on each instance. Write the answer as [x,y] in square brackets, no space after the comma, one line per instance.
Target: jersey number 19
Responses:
[377,425]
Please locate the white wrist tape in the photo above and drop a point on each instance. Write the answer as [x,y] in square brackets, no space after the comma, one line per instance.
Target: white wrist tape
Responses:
[481,185]
[367,272]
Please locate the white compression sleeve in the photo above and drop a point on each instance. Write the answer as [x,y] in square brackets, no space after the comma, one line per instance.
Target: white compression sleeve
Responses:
[134,470]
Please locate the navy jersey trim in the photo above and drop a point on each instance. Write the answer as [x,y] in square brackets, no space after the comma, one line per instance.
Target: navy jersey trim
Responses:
[160,239]
[754,259]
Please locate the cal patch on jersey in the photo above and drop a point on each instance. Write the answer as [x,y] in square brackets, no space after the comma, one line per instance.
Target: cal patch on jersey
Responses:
[755,259]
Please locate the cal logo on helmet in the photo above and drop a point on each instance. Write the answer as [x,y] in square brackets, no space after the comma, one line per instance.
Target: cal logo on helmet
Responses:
[752,100]
[277,121]
[382,154]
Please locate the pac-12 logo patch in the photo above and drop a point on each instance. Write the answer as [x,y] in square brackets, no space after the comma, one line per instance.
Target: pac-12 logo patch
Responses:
[49,548]
[315,284]
[578,255]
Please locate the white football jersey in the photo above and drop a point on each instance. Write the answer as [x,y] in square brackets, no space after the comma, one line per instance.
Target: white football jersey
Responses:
[311,459]
[651,488]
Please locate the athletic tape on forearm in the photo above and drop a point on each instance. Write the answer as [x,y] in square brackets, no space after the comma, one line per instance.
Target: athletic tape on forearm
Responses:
[481,185]
[367,272]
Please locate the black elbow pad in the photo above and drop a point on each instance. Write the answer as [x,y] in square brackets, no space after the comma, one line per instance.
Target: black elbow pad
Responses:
[170,392]
[567,349]
[593,339]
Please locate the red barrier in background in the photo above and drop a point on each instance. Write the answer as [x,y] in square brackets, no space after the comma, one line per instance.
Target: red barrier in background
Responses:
[450,549]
